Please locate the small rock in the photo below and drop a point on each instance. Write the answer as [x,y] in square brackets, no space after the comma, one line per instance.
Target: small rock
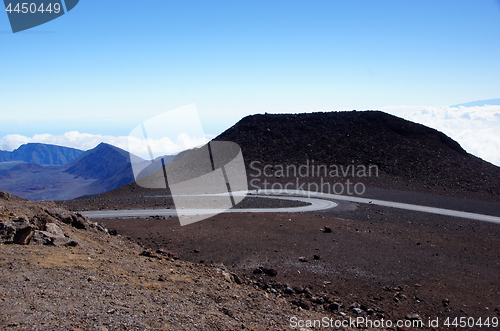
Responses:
[446,302]
[18,231]
[288,290]
[413,317]
[270,271]
[80,223]
[148,253]
[334,306]
[227,276]
[47,238]
[302,259]
[358,311]
[54,229]
[23,235]
[302,304]
[327,230]
[258,271]
[237,279]
[318,300]
[62,215]
[317,257]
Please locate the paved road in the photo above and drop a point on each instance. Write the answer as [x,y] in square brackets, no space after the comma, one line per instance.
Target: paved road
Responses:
[318,201]
[406,206]
[314,205]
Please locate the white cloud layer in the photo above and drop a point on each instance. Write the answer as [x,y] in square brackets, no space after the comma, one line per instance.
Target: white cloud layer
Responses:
[86,141]
[476,129]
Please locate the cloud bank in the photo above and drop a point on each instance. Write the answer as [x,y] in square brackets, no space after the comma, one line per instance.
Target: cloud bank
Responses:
[476,129]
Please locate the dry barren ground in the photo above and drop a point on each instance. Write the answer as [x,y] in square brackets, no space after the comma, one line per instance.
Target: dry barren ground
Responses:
[389,263]
[87,279]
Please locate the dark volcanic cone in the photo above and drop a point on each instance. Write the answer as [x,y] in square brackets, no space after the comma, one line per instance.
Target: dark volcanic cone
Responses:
[409,156]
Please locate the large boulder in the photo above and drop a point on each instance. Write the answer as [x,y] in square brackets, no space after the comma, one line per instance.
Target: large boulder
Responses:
[48,238]
[17,231]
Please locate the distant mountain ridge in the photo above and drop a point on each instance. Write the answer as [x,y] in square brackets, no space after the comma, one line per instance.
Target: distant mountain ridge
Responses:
[109,165]
[95,171]
[479,103]
[43,154]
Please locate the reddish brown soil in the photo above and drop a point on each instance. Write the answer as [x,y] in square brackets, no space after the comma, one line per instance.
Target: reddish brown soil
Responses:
[388,261]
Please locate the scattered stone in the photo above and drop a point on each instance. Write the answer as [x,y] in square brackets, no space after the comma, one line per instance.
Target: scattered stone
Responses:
[413,317]
[47,238]
[166,253]
[302,304]
[149,253]
[5,195]
[302,259]
[318,300]
[161,251]
[101,228]
[237,279]
[80,223]
[54,229]
[270,271]
[227,276]
[62,215]
[23,235]
[258,271]
[17,231]
[405,328]
[226,311]
[358,311]
[334,306]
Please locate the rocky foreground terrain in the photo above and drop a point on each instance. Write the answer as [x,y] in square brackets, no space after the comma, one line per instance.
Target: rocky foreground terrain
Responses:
[61,272]
[359,260]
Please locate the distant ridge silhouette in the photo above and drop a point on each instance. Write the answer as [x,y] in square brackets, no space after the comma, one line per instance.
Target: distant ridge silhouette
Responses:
[479,103]
[43,154]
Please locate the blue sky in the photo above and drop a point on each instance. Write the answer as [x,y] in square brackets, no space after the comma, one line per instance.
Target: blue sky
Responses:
[107,66]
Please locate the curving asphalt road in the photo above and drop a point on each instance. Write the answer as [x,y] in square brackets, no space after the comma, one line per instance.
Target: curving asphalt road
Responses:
[314,205]
[318,201]
[406,206]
